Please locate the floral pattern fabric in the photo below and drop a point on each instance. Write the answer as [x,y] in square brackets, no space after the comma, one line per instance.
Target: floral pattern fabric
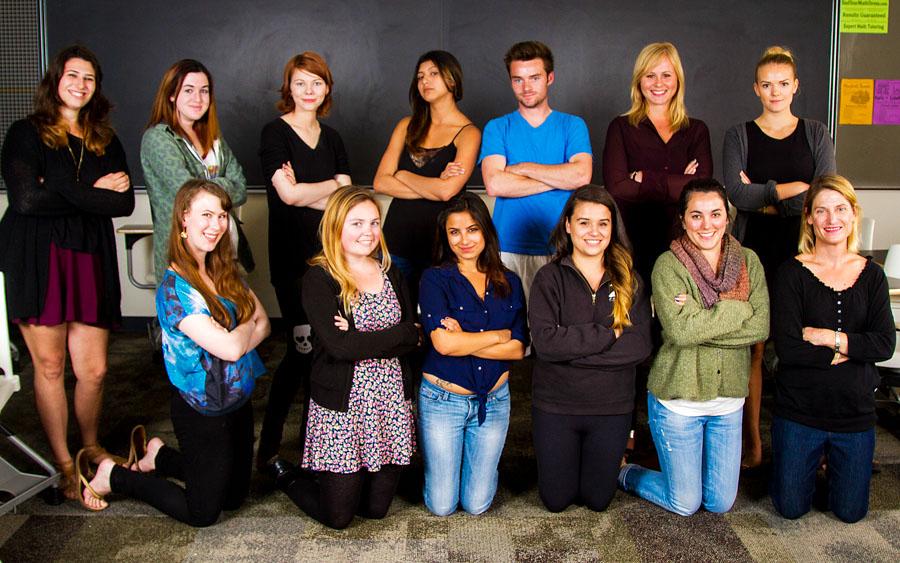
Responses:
[378,426]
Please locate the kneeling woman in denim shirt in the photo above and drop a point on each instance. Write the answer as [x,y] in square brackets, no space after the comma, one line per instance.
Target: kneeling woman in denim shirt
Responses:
[473,309]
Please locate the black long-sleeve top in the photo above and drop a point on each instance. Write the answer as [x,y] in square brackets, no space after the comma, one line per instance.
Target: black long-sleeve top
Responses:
[336,351]
[47,203]
[294,231]
[809,390]
[581,367]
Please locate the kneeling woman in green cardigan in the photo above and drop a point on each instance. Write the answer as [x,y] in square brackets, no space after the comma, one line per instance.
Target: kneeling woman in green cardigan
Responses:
[711,298]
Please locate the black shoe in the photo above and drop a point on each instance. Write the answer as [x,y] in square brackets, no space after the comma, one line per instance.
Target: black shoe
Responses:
[281,471]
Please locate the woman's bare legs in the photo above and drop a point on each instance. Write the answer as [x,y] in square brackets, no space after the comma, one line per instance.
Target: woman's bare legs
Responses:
[752,439]
[88,351]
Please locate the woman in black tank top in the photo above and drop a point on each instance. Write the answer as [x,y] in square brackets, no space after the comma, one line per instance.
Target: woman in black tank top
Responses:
[769,164]
[428,160]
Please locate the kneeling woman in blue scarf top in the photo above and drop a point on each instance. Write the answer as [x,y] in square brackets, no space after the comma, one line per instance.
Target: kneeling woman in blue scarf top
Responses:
[473,309]
[212,323]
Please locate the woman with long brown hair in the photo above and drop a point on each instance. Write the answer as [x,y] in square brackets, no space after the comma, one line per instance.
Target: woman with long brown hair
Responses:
[590,327]
[473,311]
[212,323]
[429,159]
[66,176]
[183,141]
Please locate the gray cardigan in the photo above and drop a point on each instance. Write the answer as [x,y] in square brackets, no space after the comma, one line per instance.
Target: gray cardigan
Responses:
[750,197]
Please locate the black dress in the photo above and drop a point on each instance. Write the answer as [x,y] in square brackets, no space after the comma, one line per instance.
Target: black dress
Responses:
[50,203]
[410,226]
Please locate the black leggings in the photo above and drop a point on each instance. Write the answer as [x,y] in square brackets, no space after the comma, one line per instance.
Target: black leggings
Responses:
[214,463]
[334,498]
[578,457]
[291,375]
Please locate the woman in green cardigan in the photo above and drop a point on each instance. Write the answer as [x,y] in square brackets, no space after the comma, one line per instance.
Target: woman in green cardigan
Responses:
[183,142]
[711,299]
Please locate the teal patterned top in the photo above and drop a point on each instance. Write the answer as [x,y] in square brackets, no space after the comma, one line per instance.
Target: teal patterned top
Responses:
[210,385]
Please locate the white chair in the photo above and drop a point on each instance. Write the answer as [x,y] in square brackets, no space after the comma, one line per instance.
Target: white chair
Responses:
[866,233]
[16,486]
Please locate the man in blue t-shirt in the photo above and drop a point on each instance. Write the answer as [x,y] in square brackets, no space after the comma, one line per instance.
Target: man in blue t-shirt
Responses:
[530,160]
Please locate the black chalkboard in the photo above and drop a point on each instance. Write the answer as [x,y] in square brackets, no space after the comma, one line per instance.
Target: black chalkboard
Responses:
[372,47]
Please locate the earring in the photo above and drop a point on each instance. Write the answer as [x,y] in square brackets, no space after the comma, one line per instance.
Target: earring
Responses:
[183,234]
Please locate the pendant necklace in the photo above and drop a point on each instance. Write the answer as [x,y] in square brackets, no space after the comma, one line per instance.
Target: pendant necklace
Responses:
[78,163]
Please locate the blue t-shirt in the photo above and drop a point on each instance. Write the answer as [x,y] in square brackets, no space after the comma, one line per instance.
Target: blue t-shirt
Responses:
[524,224]
[210,385]
[444,292]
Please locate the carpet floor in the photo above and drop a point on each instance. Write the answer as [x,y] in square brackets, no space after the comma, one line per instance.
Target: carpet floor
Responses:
[517,528]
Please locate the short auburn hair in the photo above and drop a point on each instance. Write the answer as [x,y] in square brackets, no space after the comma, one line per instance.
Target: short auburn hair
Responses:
[312,63]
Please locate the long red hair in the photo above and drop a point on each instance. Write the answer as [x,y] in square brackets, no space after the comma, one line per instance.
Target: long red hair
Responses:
[220,263]
[207,127]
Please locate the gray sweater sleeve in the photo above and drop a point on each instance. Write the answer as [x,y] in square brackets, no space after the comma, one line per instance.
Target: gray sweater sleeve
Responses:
[823,156]
[746,197]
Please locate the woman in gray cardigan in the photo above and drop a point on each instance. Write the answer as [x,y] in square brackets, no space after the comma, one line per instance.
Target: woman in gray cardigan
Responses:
[769,163]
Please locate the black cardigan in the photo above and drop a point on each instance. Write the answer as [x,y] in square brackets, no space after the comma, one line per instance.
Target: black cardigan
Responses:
[808,389]
[47,203]
[335,351]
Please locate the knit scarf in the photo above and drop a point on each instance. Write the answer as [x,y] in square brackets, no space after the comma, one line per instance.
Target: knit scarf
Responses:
[731,281]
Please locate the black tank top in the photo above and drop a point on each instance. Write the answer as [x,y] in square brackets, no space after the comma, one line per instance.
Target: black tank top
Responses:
[410,226]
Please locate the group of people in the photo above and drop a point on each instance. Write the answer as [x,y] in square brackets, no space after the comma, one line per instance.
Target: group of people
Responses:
[439,301]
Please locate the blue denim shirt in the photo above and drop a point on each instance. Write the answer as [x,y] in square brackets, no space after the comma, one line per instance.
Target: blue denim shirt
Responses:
[444,292]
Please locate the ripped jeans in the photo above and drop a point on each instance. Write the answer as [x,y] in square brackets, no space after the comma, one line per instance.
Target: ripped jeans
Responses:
[700,458]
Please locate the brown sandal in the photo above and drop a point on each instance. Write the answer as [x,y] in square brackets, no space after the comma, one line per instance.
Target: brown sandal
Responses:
[82,468]
[138,448]
[96,453]
[68,484]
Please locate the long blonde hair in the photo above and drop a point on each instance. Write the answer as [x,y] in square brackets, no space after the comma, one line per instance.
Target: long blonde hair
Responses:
[648,57]
[331,257]
[842,186]
[220,263]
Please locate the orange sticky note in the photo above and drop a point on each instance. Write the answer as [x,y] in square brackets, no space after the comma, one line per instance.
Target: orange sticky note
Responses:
[857,97]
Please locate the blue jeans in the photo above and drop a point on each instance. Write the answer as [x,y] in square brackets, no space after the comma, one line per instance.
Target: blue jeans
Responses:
[461,457]
[700,458]
[796,451]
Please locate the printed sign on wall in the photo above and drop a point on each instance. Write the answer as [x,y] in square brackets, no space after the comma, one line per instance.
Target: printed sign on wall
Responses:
[864,16]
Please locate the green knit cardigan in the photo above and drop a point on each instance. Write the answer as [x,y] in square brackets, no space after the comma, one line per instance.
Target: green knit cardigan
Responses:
[705,352]
[168,164]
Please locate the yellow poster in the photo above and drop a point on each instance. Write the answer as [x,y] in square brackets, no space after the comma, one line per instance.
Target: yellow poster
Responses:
[864,16]
[857,96]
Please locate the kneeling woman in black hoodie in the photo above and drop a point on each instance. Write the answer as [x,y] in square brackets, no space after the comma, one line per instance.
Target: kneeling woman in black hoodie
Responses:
[590,327]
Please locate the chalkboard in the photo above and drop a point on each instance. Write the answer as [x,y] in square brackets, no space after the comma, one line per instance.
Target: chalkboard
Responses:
[372,47]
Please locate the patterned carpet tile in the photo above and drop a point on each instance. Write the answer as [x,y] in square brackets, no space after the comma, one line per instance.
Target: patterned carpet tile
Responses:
[664,536]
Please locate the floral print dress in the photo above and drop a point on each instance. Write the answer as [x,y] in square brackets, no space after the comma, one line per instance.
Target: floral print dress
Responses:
[378,426]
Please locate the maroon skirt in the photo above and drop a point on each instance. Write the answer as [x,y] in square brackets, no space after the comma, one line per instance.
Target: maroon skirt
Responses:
[74,290]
